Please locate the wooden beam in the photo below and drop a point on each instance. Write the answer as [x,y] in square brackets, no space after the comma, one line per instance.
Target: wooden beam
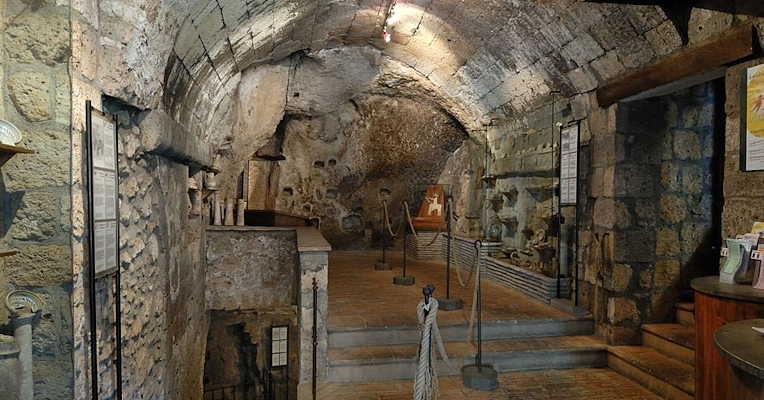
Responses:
[730,47]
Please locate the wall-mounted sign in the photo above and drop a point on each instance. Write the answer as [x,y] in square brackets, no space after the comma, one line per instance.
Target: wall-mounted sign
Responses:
[752,119]
[569,164]
[103,191]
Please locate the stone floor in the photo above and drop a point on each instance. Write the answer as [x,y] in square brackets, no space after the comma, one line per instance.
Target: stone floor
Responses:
[360,296]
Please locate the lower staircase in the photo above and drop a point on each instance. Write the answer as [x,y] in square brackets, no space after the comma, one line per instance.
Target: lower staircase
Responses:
[665,361]
[389,353]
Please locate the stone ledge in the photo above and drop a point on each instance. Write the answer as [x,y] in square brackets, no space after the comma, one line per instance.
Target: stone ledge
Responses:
[160,134]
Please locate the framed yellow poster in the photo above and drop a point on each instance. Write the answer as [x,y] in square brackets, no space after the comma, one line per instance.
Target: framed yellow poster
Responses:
[752,120]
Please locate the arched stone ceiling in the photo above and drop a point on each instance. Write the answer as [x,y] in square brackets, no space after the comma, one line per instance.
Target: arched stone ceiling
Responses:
[490,58]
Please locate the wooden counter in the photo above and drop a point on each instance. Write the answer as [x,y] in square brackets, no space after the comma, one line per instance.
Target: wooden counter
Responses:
[743,348]
[718,304]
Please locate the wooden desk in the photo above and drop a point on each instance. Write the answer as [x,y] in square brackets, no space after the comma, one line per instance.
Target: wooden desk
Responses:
[743,347]
[718,304]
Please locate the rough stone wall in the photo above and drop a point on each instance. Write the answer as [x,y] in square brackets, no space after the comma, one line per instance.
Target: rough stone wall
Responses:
[251,270]
[664,214]
[742,190]
[34,188]
[162,279]
[164,317]
[253,280]
[345,142]
[524,159]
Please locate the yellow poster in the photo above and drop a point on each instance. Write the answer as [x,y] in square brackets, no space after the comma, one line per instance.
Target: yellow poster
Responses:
[754,121]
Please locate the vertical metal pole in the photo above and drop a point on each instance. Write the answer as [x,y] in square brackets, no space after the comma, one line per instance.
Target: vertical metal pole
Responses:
[315,333]
[385,225]
[405,250]
[448,246]
[578,163]
[479,248]
[118,286]
[91,254]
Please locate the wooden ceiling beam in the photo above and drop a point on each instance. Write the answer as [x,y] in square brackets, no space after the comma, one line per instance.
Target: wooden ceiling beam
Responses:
[732,46]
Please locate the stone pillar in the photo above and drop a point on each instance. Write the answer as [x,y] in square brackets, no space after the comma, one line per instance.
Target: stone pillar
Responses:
[9,368]
[22,325]
[313,265]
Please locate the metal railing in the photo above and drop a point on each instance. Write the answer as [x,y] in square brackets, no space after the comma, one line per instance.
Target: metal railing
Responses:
[244,391]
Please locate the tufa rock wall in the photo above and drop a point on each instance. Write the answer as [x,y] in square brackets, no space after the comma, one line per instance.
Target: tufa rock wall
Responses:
[34,188]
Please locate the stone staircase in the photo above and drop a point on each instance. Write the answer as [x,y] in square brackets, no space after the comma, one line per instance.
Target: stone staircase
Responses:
[665,361]
[388,353]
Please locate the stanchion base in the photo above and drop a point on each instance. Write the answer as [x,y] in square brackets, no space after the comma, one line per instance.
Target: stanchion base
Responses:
[383,266]
[450,304]
[403,280]
[483,378]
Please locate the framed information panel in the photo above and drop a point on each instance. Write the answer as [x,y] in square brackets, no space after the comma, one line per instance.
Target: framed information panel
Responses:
[569,164]
[102,191]
[752,119]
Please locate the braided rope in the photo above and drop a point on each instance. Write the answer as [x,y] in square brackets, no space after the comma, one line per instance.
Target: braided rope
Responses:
[426,380]
[387,222]
[413,231]
[454,252]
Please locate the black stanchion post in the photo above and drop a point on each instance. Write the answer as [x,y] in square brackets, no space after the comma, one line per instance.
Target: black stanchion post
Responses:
[384,266]
[404,280]
[479,376]
[449,304]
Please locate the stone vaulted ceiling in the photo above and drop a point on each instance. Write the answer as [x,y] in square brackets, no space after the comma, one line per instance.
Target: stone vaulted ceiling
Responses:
[488,58]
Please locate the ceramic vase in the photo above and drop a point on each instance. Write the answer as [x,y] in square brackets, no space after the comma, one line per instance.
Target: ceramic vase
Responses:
[241,206]
[211,181]
[216,210]
[228,212]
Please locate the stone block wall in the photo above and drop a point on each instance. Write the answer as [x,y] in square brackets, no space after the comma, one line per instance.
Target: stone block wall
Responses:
[164,322]
[524,157]
[742,190]
[34,188]
[662,213]
[255,273]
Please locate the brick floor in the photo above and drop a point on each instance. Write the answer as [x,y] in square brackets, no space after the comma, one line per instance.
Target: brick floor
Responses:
[360,296]
[563,384]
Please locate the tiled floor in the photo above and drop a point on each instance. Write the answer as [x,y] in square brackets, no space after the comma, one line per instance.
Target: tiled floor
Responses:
[360,296]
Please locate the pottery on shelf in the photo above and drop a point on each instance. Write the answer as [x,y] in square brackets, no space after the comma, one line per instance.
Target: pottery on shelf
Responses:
[210,181]
[241,206]
[228,212]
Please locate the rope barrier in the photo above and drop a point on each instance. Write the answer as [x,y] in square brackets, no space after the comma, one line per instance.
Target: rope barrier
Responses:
[426,380]
[387,221]
[413,231]
[454,253]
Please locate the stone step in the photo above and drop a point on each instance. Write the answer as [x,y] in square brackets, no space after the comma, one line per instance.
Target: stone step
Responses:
[673,340]
[663,375]
[545,327]
[685,314]
[391,362]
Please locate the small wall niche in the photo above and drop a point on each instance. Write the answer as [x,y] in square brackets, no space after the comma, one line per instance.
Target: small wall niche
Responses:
[318,164]
[287,191]
[332,162]
[332,193]
[307,207]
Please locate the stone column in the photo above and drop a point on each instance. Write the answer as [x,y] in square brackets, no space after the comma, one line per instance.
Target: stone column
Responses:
[9,368]
[313,264]
[22,325]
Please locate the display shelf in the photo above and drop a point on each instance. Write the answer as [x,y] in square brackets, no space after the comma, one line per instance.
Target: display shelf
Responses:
[208,192]
[7,151]
[8,253]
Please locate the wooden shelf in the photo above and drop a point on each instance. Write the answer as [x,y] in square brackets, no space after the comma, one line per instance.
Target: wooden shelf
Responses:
[8,253]
[7,151]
